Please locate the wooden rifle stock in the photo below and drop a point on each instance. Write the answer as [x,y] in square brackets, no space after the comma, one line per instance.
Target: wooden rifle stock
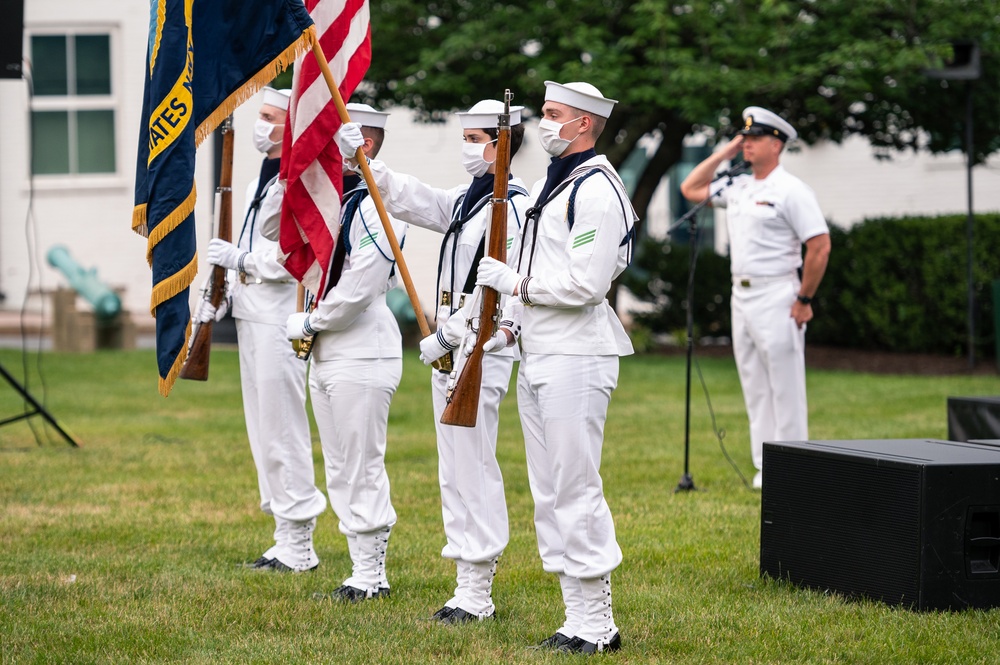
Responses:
[195,367]
[463,402]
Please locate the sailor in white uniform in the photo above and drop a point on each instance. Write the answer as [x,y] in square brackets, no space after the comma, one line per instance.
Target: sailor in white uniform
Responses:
[472,494]
[577,238]
[356,365]
[273,379]
[770,215]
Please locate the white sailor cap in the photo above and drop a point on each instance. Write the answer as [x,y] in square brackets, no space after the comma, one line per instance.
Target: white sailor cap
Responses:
[277,98]
[366,115]
[759,121]
[579,95]
[483,115]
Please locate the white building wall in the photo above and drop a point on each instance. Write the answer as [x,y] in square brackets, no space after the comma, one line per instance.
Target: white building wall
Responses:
[91,215]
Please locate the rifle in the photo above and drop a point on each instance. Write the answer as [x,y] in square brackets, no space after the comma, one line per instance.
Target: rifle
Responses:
[463,399]
[195,366]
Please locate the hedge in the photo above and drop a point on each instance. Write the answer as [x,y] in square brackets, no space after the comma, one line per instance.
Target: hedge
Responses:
[893,284]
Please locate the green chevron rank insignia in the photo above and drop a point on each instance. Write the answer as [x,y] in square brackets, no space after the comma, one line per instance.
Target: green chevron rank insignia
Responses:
[584,238]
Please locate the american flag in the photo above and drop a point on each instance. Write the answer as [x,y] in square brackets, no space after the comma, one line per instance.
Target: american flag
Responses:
[310,160]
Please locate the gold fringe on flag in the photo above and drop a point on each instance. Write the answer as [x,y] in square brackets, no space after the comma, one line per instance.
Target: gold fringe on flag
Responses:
[167,383]
[173,285]
[163,291]
[139,220]
[266,74]
[169,223]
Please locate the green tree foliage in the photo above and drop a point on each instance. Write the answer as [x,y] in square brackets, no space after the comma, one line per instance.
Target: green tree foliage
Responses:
[832,67]
[900,285]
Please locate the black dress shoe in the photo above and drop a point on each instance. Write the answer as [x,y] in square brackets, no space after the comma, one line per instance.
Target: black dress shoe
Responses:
[580,645]
[554,641]
[349,594]
[262,562]
[279,567]
[458,615]
[442,613]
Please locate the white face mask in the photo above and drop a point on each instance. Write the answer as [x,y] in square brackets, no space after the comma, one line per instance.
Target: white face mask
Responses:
[548,135]
[472,158]
[262,135]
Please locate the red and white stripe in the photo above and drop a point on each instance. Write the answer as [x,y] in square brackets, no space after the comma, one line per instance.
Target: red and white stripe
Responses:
[310,160]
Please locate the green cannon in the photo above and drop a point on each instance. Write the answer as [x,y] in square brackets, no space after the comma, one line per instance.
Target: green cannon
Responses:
[105,302]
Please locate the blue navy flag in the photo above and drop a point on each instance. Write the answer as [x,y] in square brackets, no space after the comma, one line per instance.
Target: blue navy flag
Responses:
[203,60]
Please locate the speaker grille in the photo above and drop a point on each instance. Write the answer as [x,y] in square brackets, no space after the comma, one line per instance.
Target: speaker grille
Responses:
[843,525]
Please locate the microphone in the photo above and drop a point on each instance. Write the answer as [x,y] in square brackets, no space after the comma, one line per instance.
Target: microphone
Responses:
[739,168]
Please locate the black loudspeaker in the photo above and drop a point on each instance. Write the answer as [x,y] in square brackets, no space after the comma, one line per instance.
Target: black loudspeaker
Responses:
[973,418]
[910,522]
[11,38]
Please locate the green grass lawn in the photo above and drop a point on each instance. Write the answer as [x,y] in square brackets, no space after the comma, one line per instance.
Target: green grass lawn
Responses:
[129,548]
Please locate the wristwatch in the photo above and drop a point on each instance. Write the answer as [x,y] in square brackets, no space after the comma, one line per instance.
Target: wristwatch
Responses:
[805,300]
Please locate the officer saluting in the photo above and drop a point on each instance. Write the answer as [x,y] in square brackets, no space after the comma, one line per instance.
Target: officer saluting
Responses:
[770,215]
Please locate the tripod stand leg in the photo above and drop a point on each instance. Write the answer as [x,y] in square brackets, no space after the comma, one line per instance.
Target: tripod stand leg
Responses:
[39,409]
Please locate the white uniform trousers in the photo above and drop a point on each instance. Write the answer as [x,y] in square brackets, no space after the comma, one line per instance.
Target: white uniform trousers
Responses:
[274,402]
[472,497]
[350,400]
[563,403]
[770,359]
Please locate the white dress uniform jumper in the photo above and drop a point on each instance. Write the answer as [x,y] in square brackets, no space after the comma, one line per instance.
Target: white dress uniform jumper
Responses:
[356,368]
[473,504]
[273,382]
[578,237]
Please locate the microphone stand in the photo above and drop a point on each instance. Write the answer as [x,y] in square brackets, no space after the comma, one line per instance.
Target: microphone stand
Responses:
[686,482]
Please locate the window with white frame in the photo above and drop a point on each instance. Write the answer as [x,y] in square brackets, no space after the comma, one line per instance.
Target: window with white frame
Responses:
[72,107]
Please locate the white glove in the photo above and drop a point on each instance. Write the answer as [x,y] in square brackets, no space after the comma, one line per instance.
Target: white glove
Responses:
[431,349]
[295,326]
[208,313]
[494,344]
[348,139]
[497,275]
[224,254]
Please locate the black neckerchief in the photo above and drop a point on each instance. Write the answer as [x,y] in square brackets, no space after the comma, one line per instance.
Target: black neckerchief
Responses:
[480,187]
[351,182]
[268,170]
[560,168]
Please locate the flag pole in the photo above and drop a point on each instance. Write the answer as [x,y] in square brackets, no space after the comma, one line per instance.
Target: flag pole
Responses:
[397,253]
